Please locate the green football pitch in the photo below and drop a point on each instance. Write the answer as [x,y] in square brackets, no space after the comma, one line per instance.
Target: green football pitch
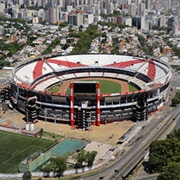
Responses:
[107,87]
[15,147]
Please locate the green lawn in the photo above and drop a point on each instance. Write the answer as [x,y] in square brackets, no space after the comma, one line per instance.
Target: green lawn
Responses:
[107,87]
[55,88]
[51,136]
[132,88]
[15,147]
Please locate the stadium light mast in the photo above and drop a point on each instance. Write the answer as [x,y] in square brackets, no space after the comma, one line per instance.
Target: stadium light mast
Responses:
[55,119]
[53,70]
[15,117]
[98,103]
[45,113]
[72,104]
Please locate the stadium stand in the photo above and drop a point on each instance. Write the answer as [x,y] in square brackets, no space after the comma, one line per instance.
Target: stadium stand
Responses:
[150,77]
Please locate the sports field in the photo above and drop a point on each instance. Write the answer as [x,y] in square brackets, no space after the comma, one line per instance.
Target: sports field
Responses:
[15,147]
[132,88]
[107,87]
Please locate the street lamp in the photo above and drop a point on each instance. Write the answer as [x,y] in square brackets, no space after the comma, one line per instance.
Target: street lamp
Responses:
[99,151]
[55,118]
[55,127]
[14,110]
[45,113]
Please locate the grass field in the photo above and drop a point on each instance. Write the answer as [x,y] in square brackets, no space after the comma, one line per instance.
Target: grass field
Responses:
[55,88]
[107,87]
[14,148]
[132,88]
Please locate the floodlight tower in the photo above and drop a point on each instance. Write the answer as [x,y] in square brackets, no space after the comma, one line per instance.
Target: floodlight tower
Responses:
[98,104]
[72,103]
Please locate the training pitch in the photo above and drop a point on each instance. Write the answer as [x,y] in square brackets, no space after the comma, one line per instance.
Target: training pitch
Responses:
[15,147]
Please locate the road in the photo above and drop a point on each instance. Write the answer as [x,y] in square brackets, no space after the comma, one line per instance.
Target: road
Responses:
[154,130]
[138,152]
[123,165]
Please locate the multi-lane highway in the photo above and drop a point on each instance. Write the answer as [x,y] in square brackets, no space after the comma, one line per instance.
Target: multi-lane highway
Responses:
[139,150]
[123,165]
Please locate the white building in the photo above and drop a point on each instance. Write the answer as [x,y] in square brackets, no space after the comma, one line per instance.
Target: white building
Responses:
[132,8]
[163,21]
[88,18]
[2,7]
[141,9]
[177,30]
[1,30]
[127,21]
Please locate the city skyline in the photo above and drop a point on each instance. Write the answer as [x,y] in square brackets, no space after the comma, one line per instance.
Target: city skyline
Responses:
[147,13]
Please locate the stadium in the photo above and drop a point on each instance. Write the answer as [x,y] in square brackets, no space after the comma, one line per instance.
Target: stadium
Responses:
[81,103]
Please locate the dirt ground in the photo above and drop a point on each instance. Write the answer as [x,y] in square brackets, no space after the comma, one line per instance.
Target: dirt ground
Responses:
[109,133]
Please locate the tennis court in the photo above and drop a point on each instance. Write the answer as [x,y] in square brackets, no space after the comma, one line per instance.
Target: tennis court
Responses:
[67,147]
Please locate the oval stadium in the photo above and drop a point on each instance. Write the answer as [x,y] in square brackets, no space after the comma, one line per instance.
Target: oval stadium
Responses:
[69,88]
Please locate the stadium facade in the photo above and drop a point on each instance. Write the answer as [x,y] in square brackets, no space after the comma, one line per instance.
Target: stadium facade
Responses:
[85,105]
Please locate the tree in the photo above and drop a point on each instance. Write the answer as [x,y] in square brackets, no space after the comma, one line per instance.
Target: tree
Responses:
[141,39]
[176,134]
[4,63]
[115,50]
[80,28]
[85,158]
[176,99]
[60,165]
[90,156]
[176,51]
[80,158]
[176,67]
[157,158]
[56,165]
[50,167]
[27,176]
[63,24]
[41,131]
[164,157]
[149,36]
[85,39]
[171,171]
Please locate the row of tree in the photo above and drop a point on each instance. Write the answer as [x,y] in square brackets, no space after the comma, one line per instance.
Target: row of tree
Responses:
[164,157]
[112,25]
[174,48]
[57,165]
[85,39]
[4,63]
[9,49]
[147,49]
[82,158]
[50,47]
[176,51]
[176,67]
